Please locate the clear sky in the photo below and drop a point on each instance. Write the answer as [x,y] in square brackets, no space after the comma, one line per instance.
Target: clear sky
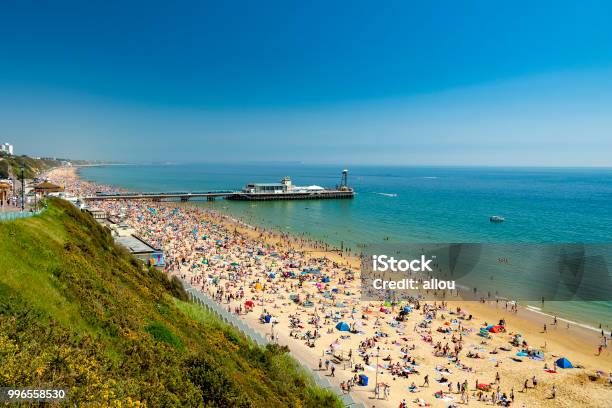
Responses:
[395,82]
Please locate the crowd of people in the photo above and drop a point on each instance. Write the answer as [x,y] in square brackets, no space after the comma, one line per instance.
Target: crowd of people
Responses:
[384,353]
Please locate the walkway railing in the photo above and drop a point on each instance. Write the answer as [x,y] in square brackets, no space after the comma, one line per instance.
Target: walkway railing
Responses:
[14,215]
[203,300]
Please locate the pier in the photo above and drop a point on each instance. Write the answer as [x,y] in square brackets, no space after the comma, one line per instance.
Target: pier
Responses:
[160,196]
[285,190]
[228,195]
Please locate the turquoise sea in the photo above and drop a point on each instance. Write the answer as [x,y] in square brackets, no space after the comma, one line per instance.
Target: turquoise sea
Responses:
[409,204]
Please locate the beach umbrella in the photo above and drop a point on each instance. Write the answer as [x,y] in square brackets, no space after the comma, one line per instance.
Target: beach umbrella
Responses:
[564,363]
[343,326]
[249,303]
[387,304]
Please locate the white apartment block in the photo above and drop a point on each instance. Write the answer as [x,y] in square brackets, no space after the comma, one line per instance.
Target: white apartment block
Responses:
[6,148]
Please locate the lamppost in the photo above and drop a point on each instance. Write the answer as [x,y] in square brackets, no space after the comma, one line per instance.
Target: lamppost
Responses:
[376,379]
[22,188]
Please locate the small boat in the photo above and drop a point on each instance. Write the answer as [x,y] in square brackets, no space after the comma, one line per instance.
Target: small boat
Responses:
[497,218]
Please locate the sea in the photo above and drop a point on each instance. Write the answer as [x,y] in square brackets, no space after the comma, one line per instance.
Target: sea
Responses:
[409,204]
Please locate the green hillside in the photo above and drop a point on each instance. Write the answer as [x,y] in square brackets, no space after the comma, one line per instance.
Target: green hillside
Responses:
[10,166]
[78,312]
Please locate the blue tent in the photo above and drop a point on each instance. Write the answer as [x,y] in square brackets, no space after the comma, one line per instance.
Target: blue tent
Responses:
[272,275]
[267,318]
[343,326]
[363,380]
[564,363]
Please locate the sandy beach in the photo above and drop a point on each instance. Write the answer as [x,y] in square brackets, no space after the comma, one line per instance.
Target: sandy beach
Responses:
[306,295]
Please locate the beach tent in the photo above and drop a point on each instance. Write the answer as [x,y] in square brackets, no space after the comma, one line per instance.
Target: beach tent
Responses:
[325,279]
[249,303]
[272,275]
[497,329]
[407,309]
[564,363]
[363,380]
[343,326]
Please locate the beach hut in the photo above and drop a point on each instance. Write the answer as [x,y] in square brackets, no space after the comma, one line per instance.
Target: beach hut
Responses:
[563,363]
[343,326]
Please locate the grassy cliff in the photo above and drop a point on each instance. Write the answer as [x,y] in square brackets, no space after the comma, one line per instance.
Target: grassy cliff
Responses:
[10,166]
[78,312]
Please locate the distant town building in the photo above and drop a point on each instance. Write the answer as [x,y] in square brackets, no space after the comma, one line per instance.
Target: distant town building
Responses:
[6,148]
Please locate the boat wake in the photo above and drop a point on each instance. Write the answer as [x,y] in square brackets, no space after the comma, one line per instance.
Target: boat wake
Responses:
[387,194]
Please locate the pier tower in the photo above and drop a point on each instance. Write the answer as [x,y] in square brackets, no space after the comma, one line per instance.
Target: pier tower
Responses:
[344,180]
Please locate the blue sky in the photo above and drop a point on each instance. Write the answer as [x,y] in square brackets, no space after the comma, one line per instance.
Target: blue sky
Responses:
[448,82]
